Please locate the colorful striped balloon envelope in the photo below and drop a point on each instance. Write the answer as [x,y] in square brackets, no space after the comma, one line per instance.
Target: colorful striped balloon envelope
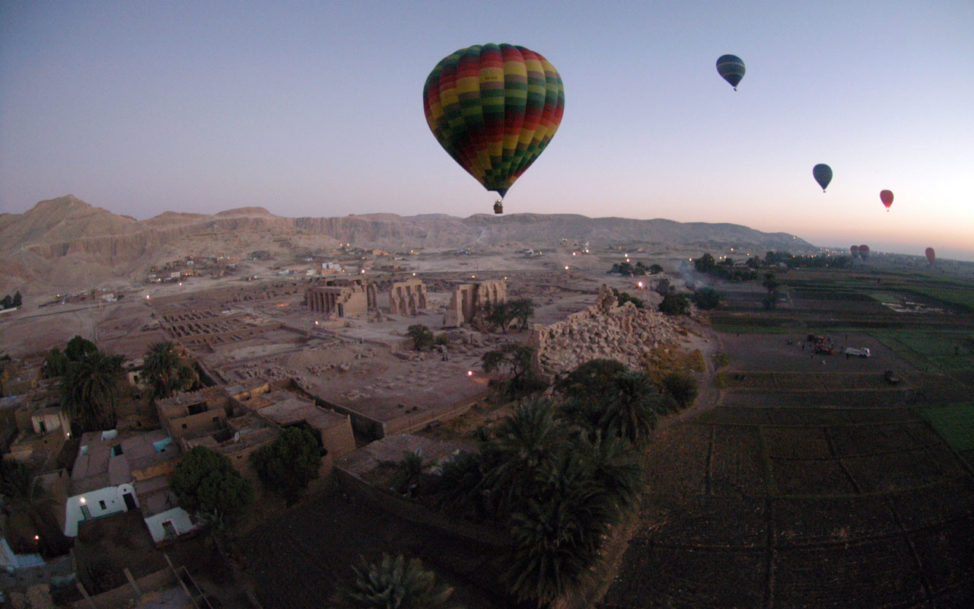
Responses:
[494,108]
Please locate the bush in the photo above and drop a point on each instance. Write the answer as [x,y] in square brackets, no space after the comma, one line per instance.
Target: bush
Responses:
[421,335]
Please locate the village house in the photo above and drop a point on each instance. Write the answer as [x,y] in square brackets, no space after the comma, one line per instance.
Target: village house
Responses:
[286,408]
[116,472]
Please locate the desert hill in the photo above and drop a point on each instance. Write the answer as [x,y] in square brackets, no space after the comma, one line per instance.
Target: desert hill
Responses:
[66,242]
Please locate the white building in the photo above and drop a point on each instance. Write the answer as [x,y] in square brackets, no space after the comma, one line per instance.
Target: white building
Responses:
[97,503]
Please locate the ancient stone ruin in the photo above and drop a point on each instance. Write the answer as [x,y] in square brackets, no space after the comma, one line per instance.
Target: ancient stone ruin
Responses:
[338,298]
[407,297]
[604,330]
[468,298]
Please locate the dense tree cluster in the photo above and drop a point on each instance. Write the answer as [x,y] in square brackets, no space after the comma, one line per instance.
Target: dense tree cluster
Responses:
[558,474]
[793,262]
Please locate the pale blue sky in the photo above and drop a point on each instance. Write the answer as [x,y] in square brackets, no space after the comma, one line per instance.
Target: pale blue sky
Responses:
[315,109]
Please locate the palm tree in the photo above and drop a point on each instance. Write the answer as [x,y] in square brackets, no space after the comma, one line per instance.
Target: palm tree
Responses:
[165,372]
[408,474]
[90,389]
[557,534]
[392,583]
[522,447]
[630,409]
[458,488]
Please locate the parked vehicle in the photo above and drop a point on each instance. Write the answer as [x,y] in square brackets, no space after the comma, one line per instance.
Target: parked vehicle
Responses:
[858,352]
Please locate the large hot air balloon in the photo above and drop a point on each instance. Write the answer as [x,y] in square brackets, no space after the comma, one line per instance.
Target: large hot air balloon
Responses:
[864,252]
[822,174]
[731,68]
[886,196]
[494,108]
[931,255]
[854,250]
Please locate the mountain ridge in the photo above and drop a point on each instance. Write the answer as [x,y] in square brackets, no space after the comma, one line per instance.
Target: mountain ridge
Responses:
[35,245]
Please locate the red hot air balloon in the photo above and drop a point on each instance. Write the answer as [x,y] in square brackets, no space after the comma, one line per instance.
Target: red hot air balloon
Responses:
[931,255]
[864,251]
[886,196]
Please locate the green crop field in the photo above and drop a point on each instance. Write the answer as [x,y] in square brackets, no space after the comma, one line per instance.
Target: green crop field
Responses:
[954,422]
[933,349]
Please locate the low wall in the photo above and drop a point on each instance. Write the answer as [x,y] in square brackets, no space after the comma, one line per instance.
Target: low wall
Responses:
[416,512]
[124,595]
[376,429]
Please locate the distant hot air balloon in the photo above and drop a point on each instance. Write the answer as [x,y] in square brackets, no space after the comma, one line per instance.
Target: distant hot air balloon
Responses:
[822,174]
[494,108]
[864,251]
[854,250]
[886,196]
[931,255]
[731,68]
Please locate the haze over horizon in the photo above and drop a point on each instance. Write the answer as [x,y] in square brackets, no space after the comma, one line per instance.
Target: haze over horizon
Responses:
[314,109]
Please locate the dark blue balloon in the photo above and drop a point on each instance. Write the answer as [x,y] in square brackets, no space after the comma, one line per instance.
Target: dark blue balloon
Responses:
[822,174]
[731,68]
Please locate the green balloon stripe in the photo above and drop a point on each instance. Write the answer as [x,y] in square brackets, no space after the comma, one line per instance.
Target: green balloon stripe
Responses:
[494,109]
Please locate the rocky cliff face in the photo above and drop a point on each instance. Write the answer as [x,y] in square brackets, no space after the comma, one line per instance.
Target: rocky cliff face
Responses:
[36,246]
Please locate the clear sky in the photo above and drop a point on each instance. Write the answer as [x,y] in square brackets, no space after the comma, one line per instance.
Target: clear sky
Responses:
[315,109]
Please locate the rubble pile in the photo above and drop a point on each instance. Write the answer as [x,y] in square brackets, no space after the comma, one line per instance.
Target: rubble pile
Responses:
[604,330]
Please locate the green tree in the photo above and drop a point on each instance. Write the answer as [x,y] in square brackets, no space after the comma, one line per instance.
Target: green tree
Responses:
[498,315]
[90,389]
[705,263]
[770,283]
[6,302]
[206,483]
[392,583]
[609,400]
[421,335]
[674,304]
[78,348]
[55,363]
[591,379]
[706,298]
[521,309]
[165,372]
[288,464]
[18,299]
[662,286]
[514,360]
[655,269]
[682,386]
